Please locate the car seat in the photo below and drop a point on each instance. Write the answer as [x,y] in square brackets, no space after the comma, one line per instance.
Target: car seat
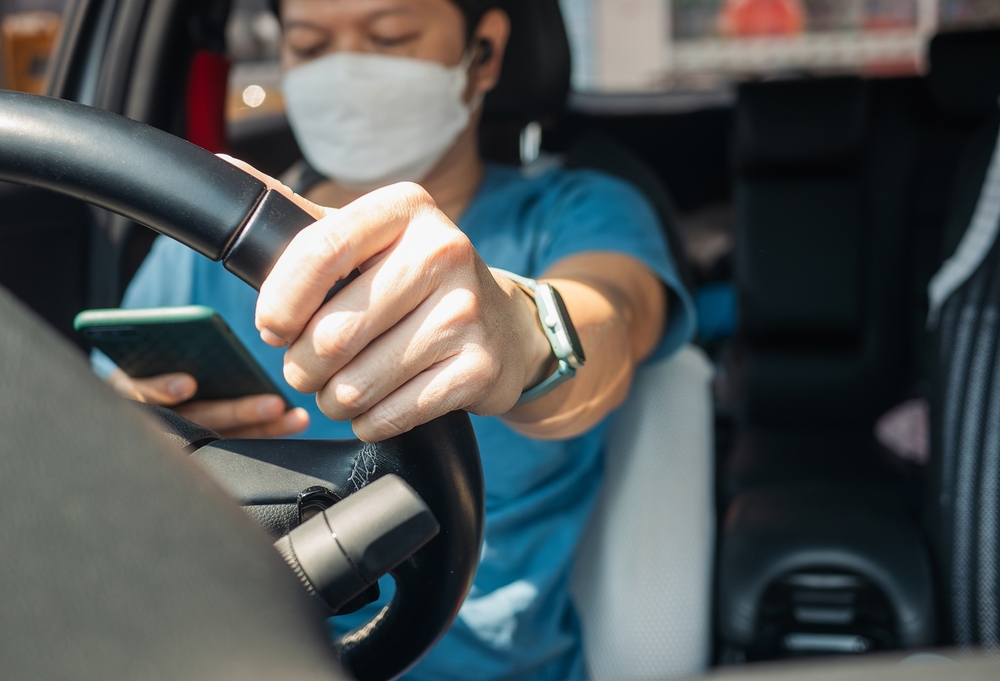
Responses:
[121,558]
[820,513]
[964,498]
[823,173]
[643,577]
[642,582]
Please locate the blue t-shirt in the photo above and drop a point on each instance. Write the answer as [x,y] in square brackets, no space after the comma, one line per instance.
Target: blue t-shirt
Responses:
[518,621]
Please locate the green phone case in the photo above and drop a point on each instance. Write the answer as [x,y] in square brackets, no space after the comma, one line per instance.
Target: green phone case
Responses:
[193,339]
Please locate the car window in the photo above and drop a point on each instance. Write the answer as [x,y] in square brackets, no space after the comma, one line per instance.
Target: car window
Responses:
[28,32]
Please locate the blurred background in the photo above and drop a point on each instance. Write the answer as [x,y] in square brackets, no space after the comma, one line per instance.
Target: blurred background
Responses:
[28,30]
[672,53]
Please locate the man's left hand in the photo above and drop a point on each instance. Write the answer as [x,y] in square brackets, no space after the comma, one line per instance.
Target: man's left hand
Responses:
[426,329]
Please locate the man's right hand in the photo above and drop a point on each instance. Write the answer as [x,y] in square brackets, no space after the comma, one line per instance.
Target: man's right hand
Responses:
[254,416]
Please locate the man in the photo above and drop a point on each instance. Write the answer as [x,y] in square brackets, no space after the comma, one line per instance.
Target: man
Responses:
[386,93]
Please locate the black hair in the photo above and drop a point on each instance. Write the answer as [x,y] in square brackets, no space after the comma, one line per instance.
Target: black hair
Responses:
[472,11]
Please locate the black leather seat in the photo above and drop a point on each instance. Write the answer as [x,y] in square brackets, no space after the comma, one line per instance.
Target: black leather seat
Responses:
[845,214]
[825,171]
[964,469]
[822,562]
[122,559]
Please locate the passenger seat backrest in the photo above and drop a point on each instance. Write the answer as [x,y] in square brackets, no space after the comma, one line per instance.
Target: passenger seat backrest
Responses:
[797,153]
[643,576]
[964,83]
[964,472]
[964,469]
[822,175]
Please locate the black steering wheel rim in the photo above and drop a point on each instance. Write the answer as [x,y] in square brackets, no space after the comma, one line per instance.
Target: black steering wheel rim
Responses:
[185,192]
[430,585]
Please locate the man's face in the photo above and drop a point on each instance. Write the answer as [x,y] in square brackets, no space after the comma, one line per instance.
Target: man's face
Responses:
[433,30]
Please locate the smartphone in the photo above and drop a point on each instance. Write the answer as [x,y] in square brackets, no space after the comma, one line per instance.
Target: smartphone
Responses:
[192,339]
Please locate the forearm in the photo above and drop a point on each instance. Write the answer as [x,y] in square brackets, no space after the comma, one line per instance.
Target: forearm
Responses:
[619,320]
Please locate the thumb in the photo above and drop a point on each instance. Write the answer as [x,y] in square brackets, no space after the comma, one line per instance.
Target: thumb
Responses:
[165,390]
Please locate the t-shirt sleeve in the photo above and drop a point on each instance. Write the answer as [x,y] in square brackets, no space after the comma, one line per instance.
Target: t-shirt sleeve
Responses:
[596,212]
[165,279]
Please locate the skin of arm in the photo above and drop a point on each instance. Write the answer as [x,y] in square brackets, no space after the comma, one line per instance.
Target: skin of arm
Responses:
[618,308]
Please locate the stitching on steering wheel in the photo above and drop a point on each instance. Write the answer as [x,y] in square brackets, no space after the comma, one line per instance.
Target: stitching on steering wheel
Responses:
[364,466]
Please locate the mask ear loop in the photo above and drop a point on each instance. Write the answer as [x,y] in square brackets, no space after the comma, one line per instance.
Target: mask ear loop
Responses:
[465,64]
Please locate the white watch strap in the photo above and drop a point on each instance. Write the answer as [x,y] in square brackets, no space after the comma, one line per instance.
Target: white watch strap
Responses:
[564,370]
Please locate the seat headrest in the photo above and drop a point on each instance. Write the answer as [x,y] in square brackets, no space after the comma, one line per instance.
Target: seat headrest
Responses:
[801,122]
[965,72]
[536,68]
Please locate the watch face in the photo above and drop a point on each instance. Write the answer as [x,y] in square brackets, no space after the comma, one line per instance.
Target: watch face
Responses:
[567,325]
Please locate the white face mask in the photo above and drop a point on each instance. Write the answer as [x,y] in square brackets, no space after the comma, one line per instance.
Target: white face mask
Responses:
[367,120]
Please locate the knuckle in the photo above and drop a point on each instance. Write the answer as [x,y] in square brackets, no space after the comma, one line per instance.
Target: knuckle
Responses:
[329,405]
[455,247]
[342,399]
[462,307]
[414,195]
[297,377]
[335,337]
[485,371]
[310,259]
[385,421]
[352,395]
[332,244]
[271,316]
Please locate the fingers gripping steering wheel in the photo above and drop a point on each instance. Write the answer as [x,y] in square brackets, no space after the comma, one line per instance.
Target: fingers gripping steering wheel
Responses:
[218,210]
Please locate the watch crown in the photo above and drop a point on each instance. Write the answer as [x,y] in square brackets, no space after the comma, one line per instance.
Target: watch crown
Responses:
[551,321]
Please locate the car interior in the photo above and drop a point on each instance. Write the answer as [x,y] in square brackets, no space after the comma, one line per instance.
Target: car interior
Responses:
[815,545]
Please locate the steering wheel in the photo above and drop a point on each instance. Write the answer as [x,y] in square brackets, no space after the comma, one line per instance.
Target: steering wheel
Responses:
[186,193]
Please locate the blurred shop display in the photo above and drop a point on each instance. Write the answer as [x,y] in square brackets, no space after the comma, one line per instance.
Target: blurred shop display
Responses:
[671,53]
[650,46]
[746,18]
[28,32]
[970,13]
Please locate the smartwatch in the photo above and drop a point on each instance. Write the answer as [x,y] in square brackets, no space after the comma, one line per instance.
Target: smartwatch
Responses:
[558,330]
